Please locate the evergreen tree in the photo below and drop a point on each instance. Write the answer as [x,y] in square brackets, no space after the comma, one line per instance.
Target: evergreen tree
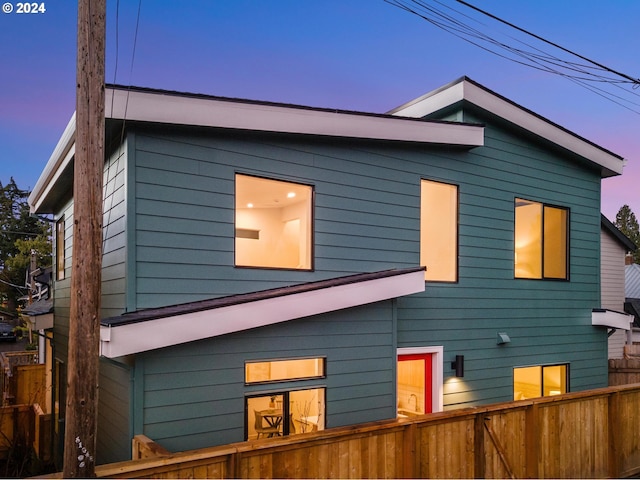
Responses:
[19,233]
[628,224]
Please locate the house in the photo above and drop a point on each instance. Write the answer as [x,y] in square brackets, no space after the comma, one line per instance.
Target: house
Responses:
[264,264]
[7,317]
[632,297]
[614,247]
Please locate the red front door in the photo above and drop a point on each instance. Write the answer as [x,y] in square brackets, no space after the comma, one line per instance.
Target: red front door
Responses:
[415,383]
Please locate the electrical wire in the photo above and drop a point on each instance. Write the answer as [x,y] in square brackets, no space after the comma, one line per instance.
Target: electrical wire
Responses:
[585,72]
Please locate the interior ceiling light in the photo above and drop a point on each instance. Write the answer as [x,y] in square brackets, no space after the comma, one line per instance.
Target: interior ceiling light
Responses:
[249,205]
[291,194]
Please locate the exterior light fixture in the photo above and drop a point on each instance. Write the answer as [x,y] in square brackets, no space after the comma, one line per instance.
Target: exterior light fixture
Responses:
[503,338]
[458,365]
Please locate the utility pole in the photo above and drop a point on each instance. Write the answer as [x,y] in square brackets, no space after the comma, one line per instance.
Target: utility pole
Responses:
[84,323]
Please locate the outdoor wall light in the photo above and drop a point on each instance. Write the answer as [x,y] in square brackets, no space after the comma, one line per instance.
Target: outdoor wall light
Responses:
[458,365]
[503,338]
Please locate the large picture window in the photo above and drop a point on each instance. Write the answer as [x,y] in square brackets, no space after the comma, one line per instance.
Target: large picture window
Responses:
[439,231]
[539,381]
[541,240]
[273,223]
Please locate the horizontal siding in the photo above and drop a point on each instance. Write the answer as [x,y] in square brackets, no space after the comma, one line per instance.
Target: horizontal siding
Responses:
[114,432]
[547,321]
[194,394]
[612,261]
[113,258]
[366,218]
[612,266]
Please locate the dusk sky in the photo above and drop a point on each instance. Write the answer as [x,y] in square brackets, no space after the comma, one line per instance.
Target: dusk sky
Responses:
[365,55]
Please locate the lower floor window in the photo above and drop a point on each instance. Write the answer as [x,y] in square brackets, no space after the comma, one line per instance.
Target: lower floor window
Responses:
[284,413]
[540,381]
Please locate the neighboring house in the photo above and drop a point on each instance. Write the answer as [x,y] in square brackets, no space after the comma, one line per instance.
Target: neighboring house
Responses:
[632,297]
[262,263]
[614,246]
[7,317]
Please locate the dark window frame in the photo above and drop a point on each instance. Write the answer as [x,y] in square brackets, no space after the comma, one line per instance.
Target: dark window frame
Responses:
[457,245]
[60,249]
[543,206]
[312,220]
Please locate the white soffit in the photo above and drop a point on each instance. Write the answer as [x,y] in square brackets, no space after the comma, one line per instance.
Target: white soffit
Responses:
[165,107]
[59,159]
[611,319]
[126,339]
[611,163]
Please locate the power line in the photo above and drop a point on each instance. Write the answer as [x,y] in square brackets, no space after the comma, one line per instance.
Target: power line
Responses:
[587,75]
[633,80]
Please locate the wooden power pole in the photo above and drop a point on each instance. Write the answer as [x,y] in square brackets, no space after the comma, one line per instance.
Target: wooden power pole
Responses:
[84,323]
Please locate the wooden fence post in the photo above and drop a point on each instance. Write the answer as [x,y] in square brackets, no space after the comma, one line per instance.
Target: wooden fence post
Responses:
[532,440]
[478,446]
[614,427]
[411,457]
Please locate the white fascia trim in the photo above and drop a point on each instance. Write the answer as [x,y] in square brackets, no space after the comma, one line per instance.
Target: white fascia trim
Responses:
[120,340]
[611,319]
[486,100]
[212,112]
[437,369]
[59,159]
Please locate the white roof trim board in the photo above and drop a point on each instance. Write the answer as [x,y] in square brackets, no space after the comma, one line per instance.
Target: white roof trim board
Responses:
[180,109]
[468,90]
[129,338]
[611,319]
[157,106]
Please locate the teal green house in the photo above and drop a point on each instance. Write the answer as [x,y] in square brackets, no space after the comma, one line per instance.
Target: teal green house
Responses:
[273,269]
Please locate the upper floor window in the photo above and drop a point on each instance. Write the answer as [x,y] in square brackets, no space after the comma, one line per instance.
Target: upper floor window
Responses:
[273,223]
[60,249]
[541,240]
[439,230]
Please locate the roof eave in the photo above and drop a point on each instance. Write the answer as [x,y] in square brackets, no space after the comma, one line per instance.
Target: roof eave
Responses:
[59,159]
[465,89]
[151,106]
[162,107]
[117,340]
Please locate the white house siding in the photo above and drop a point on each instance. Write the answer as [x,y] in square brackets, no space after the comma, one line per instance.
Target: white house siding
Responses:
[612,286]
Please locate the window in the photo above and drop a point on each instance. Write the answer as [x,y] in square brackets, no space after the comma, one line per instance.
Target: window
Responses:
[539,381]
[541,241]
[60,249]
[304,408]
[279,370]
[266,413]
[273,223]
[439,231]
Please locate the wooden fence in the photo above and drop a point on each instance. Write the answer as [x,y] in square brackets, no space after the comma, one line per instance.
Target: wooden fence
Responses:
[591,434]
[624,371]
[16,428]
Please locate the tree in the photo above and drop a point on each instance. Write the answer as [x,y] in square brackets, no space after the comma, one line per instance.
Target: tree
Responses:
[19,233]
[628,224]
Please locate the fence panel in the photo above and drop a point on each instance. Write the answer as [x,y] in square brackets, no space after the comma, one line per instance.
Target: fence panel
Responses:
[577,435]
[573,438]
